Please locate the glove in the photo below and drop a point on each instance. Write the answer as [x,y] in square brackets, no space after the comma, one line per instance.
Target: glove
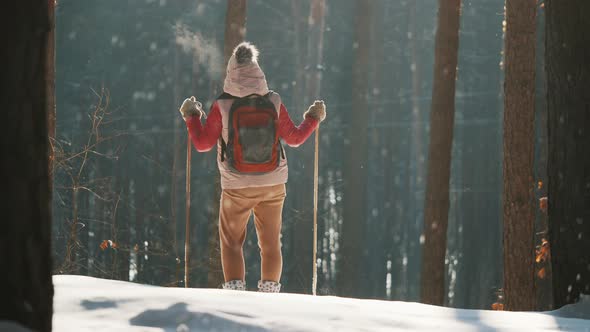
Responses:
[191,107]
[316,111]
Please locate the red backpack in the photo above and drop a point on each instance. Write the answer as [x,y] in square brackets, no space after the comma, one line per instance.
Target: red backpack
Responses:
[253,145]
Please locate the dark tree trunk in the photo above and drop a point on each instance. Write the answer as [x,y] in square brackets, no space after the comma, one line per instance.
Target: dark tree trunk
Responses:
[50,86]
[519,145]
[235,27]
[544,301]
[235,31]
[297,207]
[315,49]
[568,78]
[25,262]
[352,243]
[436,206]
[298,54]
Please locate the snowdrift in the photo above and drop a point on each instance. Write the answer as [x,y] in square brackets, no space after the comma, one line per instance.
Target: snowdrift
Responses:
[91,304]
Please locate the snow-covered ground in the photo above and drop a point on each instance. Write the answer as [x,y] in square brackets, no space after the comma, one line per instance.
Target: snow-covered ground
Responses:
[90,304]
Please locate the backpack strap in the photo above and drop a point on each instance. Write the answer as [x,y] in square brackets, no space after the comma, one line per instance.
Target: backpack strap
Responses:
[282,149]
[224,96]
[223,149]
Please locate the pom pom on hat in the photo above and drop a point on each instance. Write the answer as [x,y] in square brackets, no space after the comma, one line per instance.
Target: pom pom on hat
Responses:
[245,53]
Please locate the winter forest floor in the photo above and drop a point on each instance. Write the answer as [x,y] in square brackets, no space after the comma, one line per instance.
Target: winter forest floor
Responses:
[91,304]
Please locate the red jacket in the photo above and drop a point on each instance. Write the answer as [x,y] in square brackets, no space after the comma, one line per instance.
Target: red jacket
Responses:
[204,137]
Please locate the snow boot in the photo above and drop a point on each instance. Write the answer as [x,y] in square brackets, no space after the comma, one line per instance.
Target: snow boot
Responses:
[235,285]
[267,286]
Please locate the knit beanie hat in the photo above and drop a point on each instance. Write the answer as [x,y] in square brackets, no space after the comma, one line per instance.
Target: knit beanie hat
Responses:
[244,76]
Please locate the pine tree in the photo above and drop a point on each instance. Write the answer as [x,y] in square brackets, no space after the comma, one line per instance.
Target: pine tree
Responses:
[355,170]
[50,85]
[303,243]
[567,52]
[519,145]
[442,114]
[25,284]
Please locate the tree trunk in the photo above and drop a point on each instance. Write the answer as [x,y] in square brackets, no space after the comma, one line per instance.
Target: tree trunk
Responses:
[50,86]
[544,301]
[235,27]
[519,145]
[352,247]
[567,52]
[177,148]
[299,273]
[377,249]
[315,49]
[313,77]
[25,250]
[415,164]
[298,54]
[235,31]
[436,206]
[417,128]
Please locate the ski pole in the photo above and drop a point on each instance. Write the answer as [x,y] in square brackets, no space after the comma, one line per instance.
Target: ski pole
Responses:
[187,229]
[315,212]
[187,213]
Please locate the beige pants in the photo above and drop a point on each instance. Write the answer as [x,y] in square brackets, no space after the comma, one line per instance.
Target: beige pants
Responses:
[235,208]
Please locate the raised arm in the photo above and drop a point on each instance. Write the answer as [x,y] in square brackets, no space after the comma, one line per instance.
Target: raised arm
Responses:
[204,137]
[295,135]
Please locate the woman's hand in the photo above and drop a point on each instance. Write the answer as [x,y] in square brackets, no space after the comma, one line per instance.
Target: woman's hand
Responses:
[316,111]
[191,107]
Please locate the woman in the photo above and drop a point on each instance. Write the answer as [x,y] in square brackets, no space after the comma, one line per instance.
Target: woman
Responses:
[261,191]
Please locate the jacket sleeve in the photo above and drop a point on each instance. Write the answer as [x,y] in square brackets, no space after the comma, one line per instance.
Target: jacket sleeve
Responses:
[291,134]
[204,137]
